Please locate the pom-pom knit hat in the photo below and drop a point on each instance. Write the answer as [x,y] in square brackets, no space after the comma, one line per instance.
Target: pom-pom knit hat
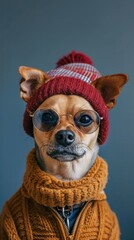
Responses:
[73,75]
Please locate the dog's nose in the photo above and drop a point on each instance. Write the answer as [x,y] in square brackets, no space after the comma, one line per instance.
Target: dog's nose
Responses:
[65,137]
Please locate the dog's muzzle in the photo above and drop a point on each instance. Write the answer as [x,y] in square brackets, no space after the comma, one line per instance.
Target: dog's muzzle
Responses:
[68,153]
[65,149]
[65,155]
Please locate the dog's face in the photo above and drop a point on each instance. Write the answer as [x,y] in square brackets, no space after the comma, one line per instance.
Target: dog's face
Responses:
[66,127]
[67,144]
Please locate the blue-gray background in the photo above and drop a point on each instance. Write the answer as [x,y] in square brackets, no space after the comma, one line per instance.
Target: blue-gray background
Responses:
[36,33]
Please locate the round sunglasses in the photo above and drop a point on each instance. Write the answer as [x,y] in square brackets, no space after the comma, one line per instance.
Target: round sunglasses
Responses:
[86,121]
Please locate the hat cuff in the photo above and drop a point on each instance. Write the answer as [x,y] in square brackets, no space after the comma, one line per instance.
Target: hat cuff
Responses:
[68,86]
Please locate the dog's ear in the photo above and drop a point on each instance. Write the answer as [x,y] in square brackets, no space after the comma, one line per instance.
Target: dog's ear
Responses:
[32,79]
[110,87]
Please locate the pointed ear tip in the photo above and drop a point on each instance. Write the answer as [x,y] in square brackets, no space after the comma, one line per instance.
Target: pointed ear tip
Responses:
[20,69]
[126,77]
[123,77]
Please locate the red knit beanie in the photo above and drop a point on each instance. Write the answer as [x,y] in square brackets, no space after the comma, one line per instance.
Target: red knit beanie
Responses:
[73,76]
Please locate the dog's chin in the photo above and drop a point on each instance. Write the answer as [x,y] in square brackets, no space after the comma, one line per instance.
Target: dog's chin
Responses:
[65,157]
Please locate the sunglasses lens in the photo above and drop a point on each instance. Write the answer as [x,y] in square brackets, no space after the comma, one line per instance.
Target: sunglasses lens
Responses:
[45,120]
[87,121]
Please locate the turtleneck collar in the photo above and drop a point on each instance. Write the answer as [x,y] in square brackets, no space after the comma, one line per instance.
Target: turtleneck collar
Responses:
[50,191]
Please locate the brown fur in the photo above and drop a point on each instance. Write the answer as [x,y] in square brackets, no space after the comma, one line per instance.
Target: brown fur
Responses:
[110,87]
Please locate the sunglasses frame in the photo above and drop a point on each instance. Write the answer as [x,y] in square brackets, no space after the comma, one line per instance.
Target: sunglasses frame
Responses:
[69,115]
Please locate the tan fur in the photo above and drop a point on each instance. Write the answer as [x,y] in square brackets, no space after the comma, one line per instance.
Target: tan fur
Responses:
[75,169]
[32,79]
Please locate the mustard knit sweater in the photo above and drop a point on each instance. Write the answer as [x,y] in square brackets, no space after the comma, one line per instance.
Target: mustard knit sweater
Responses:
[30,214]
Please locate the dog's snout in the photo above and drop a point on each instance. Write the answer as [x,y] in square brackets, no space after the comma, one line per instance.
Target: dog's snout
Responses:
[65,137]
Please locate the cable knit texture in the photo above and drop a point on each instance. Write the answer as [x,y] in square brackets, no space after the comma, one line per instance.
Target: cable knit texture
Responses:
[29,214]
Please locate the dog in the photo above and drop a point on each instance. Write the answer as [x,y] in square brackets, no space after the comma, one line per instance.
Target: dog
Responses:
[62,196]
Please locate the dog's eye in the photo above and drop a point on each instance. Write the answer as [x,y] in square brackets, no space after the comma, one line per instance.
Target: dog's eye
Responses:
[45,120]
[87,121]
[84,120]
[48,117]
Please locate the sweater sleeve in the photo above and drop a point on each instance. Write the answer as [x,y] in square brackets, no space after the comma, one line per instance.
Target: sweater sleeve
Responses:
[115,231]
[7,227]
